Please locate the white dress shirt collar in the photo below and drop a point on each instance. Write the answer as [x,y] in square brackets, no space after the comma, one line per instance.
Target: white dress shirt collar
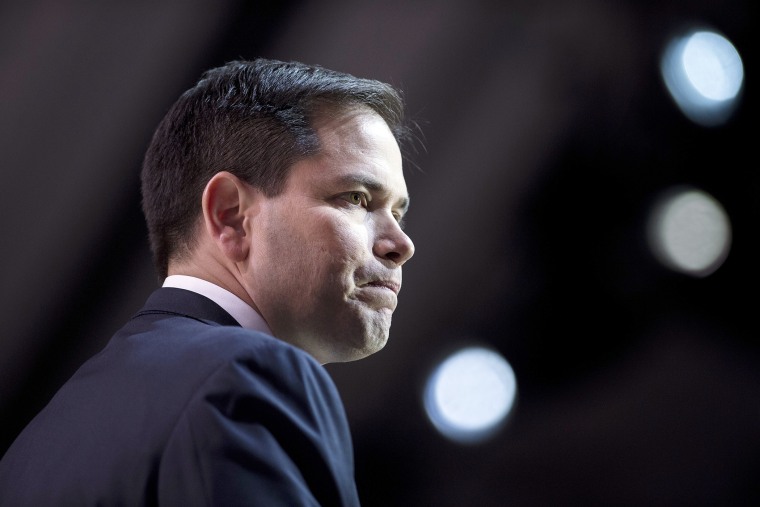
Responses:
[243,313]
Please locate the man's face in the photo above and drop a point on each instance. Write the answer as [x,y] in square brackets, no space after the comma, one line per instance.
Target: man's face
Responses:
[326,254]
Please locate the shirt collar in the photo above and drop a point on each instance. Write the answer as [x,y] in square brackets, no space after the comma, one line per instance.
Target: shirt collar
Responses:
[241,311]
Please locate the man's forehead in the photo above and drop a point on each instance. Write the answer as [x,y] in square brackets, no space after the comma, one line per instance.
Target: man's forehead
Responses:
[334,118]
[351,127]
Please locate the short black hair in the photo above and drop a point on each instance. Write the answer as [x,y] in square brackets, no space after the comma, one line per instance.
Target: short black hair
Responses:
[254,119]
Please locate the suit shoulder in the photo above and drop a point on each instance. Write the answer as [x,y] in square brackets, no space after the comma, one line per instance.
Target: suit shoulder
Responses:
[238,344]
[188,340]
[263,355]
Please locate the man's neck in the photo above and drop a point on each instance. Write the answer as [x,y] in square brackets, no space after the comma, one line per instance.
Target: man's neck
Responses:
[242,312]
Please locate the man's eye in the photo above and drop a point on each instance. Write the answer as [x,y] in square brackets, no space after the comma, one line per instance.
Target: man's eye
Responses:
[357,198]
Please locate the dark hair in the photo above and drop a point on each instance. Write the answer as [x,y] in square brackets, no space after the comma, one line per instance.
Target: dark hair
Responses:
[254,119]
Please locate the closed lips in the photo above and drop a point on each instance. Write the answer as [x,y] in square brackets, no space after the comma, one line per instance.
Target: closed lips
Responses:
[385,284]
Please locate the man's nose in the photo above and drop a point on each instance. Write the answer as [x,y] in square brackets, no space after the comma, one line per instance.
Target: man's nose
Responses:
[393,244]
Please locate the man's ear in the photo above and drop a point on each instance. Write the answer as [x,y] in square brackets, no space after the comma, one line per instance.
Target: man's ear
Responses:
[224,202]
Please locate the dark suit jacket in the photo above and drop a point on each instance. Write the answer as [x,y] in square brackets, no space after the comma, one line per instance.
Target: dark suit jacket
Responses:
[184,407]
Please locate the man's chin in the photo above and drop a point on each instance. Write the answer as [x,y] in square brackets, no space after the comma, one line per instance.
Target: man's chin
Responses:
[371,341]
[362,334]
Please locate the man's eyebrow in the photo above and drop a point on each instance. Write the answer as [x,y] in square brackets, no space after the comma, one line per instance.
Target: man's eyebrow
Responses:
[374,185]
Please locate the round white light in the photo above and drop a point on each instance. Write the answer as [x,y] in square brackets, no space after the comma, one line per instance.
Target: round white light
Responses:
[712,65]
[704,75]
[470,394]
[690,232]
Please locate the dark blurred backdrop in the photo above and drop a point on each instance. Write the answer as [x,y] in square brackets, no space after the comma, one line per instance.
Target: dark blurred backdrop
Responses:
[547,133]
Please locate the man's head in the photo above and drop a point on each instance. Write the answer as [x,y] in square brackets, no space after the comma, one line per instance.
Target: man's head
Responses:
[282,182]
[254,119]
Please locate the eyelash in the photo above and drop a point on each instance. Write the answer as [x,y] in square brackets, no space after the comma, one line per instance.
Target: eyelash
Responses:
[363,201]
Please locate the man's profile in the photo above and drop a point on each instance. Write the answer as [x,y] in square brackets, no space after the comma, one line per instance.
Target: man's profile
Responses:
[274,197]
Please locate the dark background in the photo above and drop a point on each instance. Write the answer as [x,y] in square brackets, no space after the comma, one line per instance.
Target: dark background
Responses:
[548,134]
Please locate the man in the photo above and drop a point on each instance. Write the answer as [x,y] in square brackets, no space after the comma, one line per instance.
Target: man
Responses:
[274,197]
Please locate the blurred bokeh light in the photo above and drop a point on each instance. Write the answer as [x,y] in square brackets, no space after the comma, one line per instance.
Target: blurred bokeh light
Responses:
[690,232]
[469,394]
[704,75]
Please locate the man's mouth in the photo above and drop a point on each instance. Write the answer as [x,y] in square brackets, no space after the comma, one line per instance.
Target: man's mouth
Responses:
[391,285]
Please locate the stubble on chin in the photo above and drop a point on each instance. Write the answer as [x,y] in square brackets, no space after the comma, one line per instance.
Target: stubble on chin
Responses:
[364,334]
[377,330]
